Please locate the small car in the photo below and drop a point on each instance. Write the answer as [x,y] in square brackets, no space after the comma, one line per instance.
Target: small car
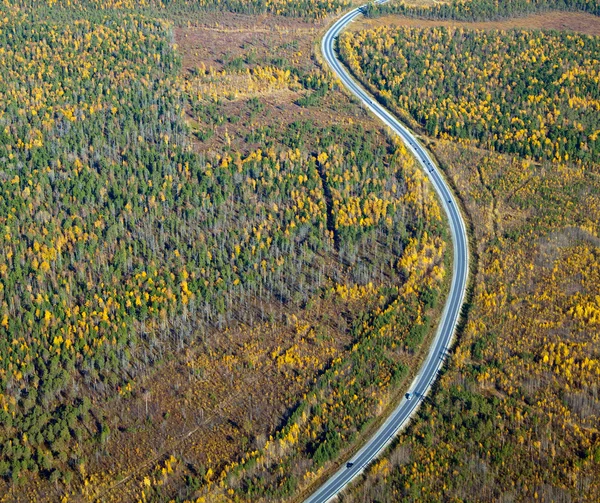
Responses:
[349,464]
[409,396]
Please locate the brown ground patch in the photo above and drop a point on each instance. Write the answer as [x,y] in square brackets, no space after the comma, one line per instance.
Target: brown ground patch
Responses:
[220,399]
[243,42]
[564,21]
[280,109]
[233,22]
[216,44]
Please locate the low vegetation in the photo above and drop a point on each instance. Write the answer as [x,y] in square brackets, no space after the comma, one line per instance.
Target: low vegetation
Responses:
[515,415]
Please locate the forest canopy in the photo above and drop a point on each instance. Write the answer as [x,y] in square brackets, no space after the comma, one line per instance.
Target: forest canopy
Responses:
[538,96]
[125,241]
[480,10]
[309,9]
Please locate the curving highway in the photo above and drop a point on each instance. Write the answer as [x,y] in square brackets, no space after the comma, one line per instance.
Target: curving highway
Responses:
[443,337]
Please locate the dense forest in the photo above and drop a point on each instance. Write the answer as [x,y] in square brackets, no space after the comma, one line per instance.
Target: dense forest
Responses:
[310,9]
[537,96]
[515,415]
[480,10]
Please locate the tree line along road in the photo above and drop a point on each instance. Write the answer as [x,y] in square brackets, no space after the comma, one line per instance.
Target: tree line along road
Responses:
[421,384]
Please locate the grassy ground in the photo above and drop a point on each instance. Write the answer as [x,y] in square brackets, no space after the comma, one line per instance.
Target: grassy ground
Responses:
[565,21]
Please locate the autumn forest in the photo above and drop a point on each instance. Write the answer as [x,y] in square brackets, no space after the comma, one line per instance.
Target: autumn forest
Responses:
[220,272]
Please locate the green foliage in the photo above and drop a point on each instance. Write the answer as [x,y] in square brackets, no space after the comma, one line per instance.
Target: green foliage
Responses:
[308,9]
[480,10]
[120,242]
[537,97]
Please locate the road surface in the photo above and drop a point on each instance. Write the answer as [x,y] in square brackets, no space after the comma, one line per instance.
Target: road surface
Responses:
[443,338]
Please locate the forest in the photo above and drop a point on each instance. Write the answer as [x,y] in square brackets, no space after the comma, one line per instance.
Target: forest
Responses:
[167,9]
[219,272]
[537,97]
[514,417]
[479,10]
[147,230]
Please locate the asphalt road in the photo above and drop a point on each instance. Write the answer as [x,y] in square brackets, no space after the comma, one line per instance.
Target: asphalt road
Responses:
[443,338]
